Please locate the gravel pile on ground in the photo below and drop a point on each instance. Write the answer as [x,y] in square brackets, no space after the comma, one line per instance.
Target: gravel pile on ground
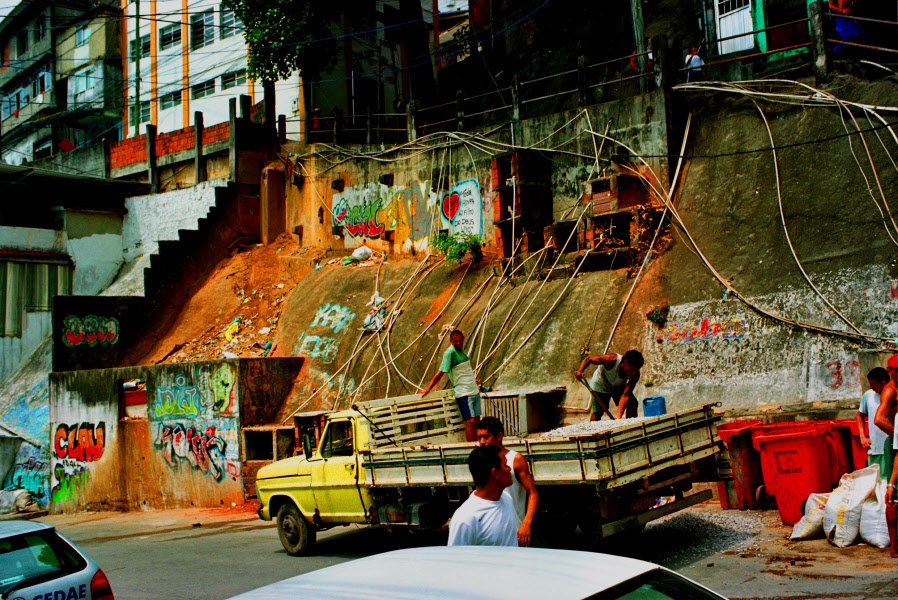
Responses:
[589,427]
[689,536]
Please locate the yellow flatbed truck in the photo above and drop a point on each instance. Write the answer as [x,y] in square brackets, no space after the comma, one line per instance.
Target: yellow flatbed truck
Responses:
[401,462]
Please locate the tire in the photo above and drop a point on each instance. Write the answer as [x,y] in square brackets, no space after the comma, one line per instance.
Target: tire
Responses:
[296,535]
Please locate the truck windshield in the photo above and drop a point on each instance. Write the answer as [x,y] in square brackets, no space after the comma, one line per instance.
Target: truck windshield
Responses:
[337,440]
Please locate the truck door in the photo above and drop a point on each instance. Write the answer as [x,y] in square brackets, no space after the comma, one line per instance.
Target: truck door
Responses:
[335,475]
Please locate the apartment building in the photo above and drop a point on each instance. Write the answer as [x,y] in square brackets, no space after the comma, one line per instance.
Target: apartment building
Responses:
[182,56]
[60,78]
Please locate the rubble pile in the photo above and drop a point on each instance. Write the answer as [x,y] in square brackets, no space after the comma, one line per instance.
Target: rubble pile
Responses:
[589,427]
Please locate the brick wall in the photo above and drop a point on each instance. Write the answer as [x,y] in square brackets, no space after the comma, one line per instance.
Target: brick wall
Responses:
[128,152]
[174,141]
[134,150]
[216,133]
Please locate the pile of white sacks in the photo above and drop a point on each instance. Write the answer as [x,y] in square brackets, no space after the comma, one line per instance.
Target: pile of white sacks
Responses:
[854,511]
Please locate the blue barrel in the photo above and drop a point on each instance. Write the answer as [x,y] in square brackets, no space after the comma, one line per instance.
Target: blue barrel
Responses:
[654,406]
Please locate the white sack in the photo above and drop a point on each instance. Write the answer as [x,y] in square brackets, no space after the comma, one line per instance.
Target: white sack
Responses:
[842,515]
[811,524]
[874,530]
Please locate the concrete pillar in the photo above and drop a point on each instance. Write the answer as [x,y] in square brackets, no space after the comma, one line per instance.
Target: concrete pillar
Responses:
[233,123]
[410,121]
[246,106]
[199,162]
[822,60]
[152,171]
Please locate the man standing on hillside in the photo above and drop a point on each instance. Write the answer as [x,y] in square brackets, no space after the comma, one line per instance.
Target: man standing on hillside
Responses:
[522,490]
[487,517]
[614,379]
[457,365]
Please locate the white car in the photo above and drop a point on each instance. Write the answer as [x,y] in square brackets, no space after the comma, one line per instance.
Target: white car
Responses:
[39,563]
[470,572]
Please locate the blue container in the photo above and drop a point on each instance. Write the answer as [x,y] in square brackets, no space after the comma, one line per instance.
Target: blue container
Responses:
[654,406]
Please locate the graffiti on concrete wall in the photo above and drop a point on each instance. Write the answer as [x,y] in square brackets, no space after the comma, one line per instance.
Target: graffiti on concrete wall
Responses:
[90,331]
[82,442]
[30,412]
[321,340]
[368,210]
[199,446]
[333,316]
[842,373]
[725,328]
[31,472]
[70,478]
[461,208]
[201,391]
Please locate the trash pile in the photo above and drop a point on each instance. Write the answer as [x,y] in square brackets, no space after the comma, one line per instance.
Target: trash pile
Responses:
[854,511]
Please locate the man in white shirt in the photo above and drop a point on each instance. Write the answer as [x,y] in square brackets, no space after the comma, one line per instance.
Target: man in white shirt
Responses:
[487,517]
[876,441]
[522,491]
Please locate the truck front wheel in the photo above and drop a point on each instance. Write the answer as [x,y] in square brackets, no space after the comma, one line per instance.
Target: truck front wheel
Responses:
[296,535]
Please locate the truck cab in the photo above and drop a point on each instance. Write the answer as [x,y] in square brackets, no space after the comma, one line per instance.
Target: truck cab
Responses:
[319,488]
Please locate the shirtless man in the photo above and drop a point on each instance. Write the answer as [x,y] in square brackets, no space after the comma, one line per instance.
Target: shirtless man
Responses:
[522,490]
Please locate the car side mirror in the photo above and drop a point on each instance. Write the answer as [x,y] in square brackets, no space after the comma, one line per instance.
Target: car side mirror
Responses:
[307,446]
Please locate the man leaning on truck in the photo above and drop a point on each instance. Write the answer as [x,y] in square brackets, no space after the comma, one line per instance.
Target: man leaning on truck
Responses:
[457,365]
[487,517]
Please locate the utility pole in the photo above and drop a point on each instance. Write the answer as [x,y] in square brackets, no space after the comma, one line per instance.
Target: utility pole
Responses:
[137,50]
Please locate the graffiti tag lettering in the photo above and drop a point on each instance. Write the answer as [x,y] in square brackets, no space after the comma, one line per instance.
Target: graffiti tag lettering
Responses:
[30,476]
[213,394]
[203,450]
[333,316]
[84,442]
[320,348]
[728,329]
[70,480]
[89,331]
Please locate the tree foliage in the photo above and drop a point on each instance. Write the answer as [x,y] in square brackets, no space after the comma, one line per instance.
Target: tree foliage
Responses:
[285,35]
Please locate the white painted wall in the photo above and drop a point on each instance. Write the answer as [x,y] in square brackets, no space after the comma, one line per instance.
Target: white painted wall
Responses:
[159,217]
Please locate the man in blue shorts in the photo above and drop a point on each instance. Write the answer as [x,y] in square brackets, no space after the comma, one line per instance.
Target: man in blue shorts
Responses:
[457,365]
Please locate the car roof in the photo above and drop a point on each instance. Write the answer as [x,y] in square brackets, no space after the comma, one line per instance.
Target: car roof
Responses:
[13,527]
[462,572]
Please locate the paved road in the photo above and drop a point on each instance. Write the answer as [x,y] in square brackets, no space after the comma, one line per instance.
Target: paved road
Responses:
[213,554]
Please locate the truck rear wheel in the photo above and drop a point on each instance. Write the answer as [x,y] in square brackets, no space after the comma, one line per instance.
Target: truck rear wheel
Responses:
[296,535]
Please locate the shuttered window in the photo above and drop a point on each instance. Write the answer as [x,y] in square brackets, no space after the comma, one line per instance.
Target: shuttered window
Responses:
[12,298]
[42,282]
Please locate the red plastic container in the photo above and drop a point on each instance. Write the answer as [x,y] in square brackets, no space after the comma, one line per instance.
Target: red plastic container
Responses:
[859,455]
[835,437]
[745,463]
[795,463]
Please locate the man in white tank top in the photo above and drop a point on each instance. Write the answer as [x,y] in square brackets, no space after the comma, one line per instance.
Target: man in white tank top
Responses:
[522,490]
[614,379]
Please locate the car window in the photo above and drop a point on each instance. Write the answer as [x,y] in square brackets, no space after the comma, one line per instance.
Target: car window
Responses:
[337,439]
[656,585]
[32,558]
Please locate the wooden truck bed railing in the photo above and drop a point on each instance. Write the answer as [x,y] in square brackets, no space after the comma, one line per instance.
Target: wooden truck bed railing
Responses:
[607,459]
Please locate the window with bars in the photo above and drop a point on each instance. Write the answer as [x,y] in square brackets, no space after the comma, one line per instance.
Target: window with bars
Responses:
[230,24]
[169,36]
[202,29]
[29,287]
[140,48]
[139,113]
[201,90]
[170,100]
[43,282]
[82,35]
[233,79]
[728,6]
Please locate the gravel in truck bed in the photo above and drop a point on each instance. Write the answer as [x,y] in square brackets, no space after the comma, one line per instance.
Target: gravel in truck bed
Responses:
[589,427]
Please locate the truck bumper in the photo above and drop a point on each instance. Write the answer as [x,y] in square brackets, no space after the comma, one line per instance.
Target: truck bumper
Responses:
[263,513]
